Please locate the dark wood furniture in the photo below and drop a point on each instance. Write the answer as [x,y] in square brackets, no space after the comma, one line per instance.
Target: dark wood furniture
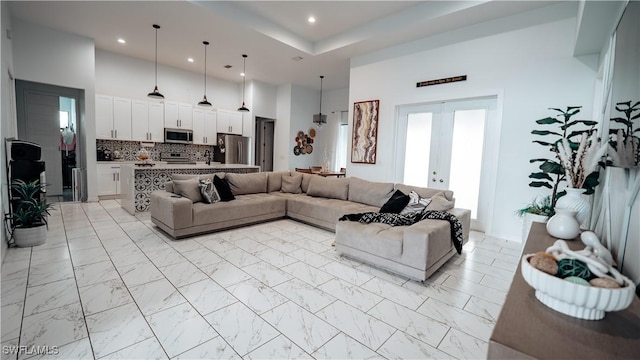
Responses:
[528,329]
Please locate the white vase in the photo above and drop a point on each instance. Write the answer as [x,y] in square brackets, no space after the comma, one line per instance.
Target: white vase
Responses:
[25,237]
[564,225]
[575,201]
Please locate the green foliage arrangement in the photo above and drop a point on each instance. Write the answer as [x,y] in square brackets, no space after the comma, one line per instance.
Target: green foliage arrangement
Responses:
[31,210]
[550,172]
[538,206]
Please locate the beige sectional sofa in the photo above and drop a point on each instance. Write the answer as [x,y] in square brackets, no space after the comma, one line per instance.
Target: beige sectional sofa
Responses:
[414,251]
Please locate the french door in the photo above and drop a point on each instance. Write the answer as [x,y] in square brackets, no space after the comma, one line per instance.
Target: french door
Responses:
[442,146]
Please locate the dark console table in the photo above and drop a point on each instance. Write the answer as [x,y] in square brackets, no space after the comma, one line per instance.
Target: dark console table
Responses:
[527,329]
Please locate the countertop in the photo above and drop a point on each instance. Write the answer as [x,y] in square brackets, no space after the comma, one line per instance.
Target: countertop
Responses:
[192,166]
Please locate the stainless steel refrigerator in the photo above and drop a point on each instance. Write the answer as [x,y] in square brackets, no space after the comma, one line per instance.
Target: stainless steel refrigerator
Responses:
[232,149]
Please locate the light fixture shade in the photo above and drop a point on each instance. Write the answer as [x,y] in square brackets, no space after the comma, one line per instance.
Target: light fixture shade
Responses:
[155,94]
[319,119]
[205,102]
[243,108]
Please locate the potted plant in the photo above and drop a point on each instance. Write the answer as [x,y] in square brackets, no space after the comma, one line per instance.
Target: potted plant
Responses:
[624,147]
[550,172]
[29,218]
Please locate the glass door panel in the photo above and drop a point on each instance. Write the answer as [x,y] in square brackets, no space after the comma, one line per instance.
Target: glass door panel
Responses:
[418,149]
[466,158]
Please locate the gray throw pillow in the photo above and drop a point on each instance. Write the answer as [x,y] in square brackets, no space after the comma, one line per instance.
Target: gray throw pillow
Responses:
[416,203]
[440,202]
[291,184]
[208,191]
[188,188]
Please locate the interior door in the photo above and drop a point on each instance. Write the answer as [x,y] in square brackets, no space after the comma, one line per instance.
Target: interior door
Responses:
[441,146]
[42,120]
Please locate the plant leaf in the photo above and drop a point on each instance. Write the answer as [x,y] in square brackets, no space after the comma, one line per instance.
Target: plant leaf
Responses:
[544,143]
[540,184]
[551,167]
[548,121]
[540,175]
[545,132]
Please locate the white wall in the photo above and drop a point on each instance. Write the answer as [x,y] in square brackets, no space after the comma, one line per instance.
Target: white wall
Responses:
[49,56]
[125,76]
[534,69]
[281,136]
[7,114]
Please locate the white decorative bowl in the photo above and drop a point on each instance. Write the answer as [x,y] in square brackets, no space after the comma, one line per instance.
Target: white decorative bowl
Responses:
[580,301]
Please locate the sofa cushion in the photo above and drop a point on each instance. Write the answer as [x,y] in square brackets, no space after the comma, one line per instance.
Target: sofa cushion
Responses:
[208,191]
[168,186]
[383,240]
[274,180]
[328,187]
[222,186]
[242,184]
[425,192]
[306,179]
[189,189]
[440,202]
[322,210]
[396,203]
[243,207]
[291,184]
[370,193]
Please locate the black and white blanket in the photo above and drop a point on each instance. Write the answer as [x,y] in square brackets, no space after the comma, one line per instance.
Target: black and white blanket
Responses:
[410,219]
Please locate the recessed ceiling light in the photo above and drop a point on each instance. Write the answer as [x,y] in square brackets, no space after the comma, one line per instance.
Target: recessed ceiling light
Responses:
[242,74]
[122,41]
[311,19]
[190,60]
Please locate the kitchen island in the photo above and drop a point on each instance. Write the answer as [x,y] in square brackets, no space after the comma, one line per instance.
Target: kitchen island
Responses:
[138,182]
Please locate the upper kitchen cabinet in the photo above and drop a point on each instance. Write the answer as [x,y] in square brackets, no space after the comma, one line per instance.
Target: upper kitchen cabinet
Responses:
[229,122]
[204,127]
[178,115]
[147,121]
[113,118]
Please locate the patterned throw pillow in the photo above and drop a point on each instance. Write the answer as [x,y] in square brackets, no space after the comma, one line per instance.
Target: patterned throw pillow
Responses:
[208,191]
[416,203]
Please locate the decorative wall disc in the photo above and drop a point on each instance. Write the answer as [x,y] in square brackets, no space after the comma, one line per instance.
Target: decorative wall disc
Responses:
[309,149]
[312,132]
[296,150]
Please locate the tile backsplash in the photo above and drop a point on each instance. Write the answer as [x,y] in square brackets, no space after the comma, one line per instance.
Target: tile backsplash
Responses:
[128,149]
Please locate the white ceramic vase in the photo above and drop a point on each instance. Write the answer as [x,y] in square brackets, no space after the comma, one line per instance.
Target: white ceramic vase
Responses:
[25,237]
[564,225]
[575,201]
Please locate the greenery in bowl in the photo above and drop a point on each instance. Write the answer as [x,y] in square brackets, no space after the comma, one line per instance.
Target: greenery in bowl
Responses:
[30,209]
[538,206]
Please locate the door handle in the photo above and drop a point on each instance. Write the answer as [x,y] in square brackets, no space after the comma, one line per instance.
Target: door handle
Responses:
[441,180]
[434,179]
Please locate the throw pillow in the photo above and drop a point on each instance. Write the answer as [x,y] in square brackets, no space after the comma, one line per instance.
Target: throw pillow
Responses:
[416,203]
[188,188]
[223,188]
[440,202]
[291,184]
[396,203]
[208,191]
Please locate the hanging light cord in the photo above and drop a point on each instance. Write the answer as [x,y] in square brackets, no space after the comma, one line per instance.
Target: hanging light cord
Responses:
[156,61]
[244,78]
[320,117]
[205,68]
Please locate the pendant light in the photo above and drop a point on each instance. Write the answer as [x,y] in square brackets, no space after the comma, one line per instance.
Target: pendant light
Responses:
[244,77]
[155,94]
[204,101]
[320,119]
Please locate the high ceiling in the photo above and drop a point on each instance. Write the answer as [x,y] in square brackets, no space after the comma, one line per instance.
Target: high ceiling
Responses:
[271,33]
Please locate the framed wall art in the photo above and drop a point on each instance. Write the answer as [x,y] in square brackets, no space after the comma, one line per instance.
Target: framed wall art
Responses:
[364,139]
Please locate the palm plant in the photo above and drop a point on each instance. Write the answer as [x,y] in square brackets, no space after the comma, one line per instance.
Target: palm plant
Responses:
[30,210]
[624,148]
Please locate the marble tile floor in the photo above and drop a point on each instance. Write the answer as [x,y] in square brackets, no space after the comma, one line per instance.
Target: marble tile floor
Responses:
[108,285]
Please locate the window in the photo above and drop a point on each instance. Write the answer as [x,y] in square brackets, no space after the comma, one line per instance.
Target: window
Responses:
[64,119]
[341,147]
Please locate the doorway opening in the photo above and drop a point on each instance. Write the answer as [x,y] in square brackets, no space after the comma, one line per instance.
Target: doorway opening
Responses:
[443,146]
[49,116]
[264,143]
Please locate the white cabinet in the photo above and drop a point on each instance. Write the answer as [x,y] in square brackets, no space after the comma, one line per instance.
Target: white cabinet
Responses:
[113,118]
[229,122]
[108,179]
[104,117]
[204,127]
[147,121]
[178,115]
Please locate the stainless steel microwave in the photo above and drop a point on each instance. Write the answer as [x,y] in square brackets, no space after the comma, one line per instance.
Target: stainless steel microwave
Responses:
[179,136]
